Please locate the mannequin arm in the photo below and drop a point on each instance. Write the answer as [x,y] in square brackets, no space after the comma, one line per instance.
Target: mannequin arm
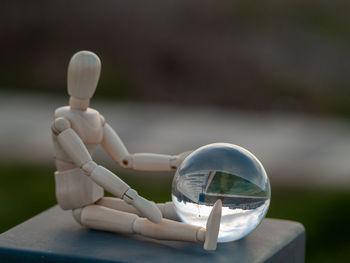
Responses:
[75,148]
[157,162]
[138,161]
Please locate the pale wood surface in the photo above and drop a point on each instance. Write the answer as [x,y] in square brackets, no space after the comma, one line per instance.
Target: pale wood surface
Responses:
[74,189]
[114,145]
[107,219]
[83,74]
[77,130]
[103,218]
[74,147]
[151,162]
[109,181]
[213,226]
[167,209]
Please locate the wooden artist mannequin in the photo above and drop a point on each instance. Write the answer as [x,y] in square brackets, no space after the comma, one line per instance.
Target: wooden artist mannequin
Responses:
[80,182]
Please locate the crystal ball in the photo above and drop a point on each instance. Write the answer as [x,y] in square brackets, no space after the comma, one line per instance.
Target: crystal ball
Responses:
[227,172]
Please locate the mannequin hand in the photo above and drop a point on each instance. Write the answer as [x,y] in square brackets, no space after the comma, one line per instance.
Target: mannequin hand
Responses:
[178,159]
[147,208]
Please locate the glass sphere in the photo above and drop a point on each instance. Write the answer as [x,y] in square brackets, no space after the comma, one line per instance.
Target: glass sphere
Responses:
[227,172]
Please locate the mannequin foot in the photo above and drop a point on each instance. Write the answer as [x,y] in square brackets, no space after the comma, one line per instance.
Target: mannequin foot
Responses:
[213,226]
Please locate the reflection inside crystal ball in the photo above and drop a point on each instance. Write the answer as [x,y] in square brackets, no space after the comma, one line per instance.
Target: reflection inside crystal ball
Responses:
[227,172]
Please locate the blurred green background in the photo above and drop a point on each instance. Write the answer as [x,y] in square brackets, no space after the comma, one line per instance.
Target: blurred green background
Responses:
[288,57]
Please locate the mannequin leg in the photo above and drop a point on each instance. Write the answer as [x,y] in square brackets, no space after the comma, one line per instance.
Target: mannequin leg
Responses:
[103,218]
[167,209]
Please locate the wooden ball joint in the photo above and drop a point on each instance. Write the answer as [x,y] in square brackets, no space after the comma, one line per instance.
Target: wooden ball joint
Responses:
[80,182]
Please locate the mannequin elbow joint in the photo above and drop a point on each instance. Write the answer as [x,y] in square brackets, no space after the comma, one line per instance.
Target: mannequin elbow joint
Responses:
[127,161]
[60,124]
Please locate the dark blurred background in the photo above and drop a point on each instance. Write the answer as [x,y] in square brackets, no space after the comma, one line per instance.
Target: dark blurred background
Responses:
[270,76]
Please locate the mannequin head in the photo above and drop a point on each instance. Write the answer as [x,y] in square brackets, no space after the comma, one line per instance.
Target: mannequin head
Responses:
[83,73]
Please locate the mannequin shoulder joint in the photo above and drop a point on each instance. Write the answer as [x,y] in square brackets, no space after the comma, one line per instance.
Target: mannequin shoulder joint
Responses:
[60,124]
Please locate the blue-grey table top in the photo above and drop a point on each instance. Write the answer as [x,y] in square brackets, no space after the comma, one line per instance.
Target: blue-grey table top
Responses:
[54,236]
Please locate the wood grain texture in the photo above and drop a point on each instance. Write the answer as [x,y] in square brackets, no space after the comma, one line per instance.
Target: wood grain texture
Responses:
[151,162]
[114,145]
[74,189]
[83,74]
[74,147]
[167,209]
[109,181]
